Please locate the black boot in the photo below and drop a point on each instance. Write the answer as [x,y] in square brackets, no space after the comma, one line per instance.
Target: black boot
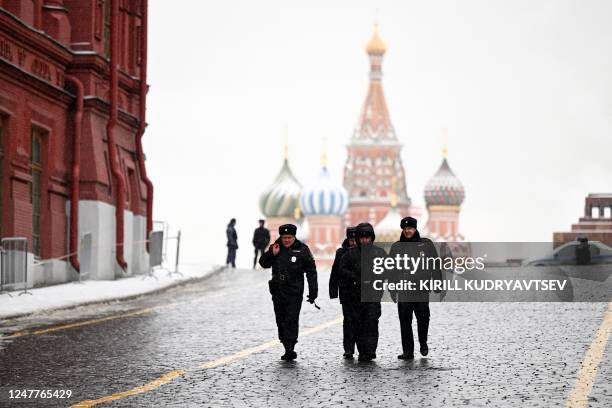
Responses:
[406,356]
[367,356]
[289,353]
[424,349]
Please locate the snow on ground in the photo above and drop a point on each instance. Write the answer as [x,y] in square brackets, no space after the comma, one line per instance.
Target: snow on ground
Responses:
[73,293]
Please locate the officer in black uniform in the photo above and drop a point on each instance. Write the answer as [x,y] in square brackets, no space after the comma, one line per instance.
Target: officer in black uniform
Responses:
[414,301]
[340,286]
[356,268]
[290,259]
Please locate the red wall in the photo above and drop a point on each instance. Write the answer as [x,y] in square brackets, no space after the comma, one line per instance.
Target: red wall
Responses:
[33,93]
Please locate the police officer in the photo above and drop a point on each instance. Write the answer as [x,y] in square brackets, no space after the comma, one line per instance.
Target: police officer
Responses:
[414,301]
[290,259]
[261,239]
[340,286]
[356,268]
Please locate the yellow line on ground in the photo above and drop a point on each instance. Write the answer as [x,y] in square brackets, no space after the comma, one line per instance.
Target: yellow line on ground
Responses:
[147,387]
[579,396]
[77,324]
[166,378]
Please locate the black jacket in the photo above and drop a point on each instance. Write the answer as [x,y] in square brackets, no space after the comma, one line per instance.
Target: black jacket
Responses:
[336,284]
[415,247]
[288,269]
[356,268]
[261,238]
[232,236]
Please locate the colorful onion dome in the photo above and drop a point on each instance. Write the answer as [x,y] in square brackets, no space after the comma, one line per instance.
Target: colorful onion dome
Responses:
[376,46]
[282,197]
[444,188]
[324,197]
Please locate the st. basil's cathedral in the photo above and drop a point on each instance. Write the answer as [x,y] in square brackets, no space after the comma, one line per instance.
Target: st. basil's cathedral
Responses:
[373,188]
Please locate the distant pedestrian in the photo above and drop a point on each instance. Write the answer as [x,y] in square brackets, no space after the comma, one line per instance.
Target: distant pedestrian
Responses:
[289,259]
[343,288]
[232,243]
[583,252]
[416,301]
[261,240]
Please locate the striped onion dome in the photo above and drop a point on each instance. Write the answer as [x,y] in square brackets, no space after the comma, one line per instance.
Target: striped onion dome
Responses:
[444,188]
[281,198]
[324,197]
[389,228]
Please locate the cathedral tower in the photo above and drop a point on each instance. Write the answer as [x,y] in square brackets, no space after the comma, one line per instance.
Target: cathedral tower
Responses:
[374,153]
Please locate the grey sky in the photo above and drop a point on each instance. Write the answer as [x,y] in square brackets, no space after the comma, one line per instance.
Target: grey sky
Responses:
[524,88]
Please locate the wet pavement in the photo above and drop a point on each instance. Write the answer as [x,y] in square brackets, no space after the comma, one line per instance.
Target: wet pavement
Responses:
[481,354]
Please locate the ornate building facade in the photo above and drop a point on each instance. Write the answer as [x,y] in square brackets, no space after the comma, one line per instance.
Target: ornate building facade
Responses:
[72,115]
[373,154]
[280,202]
[444,195]
[324,204]
[373,189]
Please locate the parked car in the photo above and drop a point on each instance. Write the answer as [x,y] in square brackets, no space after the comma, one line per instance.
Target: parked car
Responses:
[566,255]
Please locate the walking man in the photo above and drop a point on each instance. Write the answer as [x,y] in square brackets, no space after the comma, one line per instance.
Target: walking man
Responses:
[289,259]
[261,239]
[232,243]
[355,267]
[415,301]
[342,287]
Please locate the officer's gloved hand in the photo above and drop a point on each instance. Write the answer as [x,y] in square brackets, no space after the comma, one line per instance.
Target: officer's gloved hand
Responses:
[333,295]
[311,298]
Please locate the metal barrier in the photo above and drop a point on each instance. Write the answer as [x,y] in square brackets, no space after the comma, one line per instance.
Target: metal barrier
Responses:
[14,258]
[164,227]
[14,264]
[157,255]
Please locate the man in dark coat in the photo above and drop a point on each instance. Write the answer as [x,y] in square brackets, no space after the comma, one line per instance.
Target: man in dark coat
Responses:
[356,268]
[261,239]
[290,259]
[340,286]
[414,301]
[232,243]
[583,252]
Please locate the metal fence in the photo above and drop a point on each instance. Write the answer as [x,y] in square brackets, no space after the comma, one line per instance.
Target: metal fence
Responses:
[158,247]
[14,264]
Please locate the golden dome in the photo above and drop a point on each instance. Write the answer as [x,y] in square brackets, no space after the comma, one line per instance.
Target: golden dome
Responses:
[376,45]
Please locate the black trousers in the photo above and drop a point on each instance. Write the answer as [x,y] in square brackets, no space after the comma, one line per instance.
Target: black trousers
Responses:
[287,314]
[349,311]
[421,312]
[231,257]
[258,253]
[361,325]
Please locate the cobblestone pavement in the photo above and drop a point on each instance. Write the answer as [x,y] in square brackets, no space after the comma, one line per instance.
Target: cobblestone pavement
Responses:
[481,354]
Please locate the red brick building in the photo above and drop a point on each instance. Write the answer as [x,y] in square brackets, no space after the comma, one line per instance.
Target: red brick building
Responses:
[596,225]
[373,154]
[71,159]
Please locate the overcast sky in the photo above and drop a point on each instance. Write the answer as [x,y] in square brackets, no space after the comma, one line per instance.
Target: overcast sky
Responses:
[524,88]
